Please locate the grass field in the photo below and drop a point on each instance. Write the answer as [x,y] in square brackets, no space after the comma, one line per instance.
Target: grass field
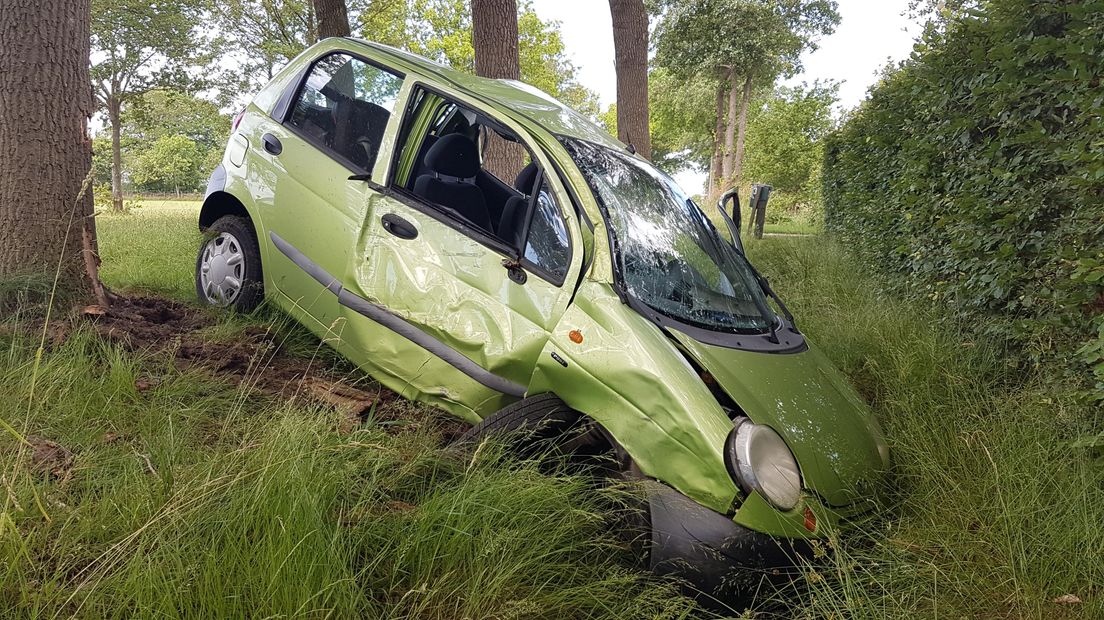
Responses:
[185,497]
[792,227]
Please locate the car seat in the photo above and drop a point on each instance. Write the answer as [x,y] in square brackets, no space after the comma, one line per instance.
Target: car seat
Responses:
[453,162]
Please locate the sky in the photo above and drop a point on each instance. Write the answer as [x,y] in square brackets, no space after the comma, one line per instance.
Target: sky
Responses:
[870,33]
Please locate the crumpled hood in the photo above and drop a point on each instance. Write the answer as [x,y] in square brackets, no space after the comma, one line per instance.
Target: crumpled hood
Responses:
[831,432]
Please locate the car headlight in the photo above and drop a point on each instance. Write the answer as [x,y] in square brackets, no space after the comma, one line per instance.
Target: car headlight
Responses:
[759,460]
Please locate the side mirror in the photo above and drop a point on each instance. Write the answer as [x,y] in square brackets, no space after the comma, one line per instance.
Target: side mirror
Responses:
[733,220]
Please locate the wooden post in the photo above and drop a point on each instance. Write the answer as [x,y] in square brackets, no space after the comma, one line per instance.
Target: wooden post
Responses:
[760,194]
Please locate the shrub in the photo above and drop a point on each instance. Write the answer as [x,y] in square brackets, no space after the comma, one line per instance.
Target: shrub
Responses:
[974,175]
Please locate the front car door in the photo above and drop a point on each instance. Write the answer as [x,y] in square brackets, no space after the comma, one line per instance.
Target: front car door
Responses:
[484,300]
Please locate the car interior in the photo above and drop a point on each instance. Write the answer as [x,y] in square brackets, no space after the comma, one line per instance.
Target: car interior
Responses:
[449,172]
[329,111]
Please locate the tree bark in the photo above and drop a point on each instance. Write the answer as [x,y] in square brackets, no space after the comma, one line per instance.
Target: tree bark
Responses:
[45,152]
[495,39]
[716,171]
[114,119]
[630,42]
[333,18]
[730,127]
[741,132]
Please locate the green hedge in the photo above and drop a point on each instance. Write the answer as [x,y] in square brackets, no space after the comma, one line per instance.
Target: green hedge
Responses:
[974,177]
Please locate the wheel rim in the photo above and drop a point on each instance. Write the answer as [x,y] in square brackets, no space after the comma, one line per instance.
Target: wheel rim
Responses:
[221,270]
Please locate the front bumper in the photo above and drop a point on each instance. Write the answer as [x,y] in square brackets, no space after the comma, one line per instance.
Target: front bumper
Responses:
[724,563]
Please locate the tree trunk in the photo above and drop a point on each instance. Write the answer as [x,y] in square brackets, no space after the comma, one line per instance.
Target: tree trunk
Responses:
[630,40]
[730,128]
[716,170]
[741,132]
[45,153]
[114,119]
[333,18]
[495,39]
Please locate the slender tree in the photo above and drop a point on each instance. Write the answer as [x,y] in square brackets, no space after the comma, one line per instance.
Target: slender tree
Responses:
[741,44]
[333,18]
[495,40]
[45,153]
[630,42]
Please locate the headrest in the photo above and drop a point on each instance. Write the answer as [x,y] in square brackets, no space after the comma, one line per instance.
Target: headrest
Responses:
[526,178]
[454,155]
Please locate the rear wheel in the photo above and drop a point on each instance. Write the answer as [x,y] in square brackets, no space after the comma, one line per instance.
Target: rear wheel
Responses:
[228,268]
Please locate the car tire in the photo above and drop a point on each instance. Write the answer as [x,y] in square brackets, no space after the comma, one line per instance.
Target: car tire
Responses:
[543,425]
[228,266]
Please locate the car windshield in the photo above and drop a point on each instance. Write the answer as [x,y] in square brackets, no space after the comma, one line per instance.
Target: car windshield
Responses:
[672,257]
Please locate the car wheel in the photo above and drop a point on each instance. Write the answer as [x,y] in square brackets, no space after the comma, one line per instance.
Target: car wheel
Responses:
[543,425]
[228,268]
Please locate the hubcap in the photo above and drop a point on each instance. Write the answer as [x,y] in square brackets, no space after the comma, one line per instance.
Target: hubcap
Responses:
[221,269]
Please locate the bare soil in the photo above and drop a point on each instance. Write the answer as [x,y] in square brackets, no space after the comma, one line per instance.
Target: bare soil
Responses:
[253,360]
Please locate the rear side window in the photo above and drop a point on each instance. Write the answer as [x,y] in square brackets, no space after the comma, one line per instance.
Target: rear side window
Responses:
[344,106]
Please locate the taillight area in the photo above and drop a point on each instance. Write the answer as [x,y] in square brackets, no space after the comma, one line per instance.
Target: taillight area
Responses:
[237,121]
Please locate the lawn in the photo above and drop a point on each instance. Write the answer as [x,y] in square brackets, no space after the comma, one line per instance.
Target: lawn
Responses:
[173,492]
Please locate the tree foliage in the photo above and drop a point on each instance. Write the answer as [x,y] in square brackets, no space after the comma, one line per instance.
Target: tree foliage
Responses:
[172,163]
[682,119]
[742,45]
[138,45]
[442,30]
[975,175]
[161,113]
[762,37]
[786,136]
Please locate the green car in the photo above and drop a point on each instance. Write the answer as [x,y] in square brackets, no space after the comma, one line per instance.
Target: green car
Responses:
[476,245]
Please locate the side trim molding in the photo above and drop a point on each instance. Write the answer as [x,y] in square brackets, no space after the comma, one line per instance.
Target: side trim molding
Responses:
[397,324]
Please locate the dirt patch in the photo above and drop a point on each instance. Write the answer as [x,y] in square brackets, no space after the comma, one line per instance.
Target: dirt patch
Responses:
[50,458]
[252,359]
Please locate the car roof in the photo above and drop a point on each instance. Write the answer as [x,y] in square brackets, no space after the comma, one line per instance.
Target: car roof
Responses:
[513,96]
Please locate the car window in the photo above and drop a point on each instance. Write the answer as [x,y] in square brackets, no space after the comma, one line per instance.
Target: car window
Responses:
[547,244]
[344,106]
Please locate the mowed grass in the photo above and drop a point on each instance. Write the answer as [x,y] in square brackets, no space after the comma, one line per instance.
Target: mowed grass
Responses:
[152,248]
[792,227]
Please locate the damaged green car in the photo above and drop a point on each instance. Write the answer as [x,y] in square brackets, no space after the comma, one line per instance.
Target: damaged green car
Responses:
[478,246]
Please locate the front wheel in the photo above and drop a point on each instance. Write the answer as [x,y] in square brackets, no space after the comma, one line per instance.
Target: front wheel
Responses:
[544,426]
[228,268]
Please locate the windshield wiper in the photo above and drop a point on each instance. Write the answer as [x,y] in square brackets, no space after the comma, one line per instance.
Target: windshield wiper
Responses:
[765,285]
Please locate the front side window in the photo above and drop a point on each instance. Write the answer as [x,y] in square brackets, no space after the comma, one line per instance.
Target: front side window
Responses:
[480,175]
[547,246]
[671,256]
[345,105]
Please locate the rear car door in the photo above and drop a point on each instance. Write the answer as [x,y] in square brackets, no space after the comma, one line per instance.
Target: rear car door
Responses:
[330,128]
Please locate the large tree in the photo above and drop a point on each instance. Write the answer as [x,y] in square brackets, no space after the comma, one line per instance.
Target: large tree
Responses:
[333,18]
[630,42]
[138,45]
[45,153]
[495,43]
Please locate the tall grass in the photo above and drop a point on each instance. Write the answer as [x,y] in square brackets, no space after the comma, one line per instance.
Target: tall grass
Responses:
[192,499]
[186,500]
[995,515]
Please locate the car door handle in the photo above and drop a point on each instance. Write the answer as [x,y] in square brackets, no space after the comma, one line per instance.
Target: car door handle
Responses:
[398,226]
[272,144]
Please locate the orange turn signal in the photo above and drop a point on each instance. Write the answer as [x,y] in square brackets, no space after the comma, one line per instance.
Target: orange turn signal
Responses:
[810,520]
